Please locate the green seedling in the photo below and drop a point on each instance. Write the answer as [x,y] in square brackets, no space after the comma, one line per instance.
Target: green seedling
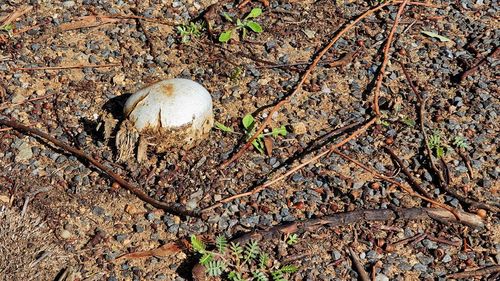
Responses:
[436,145]
[292,239]
[460,142]
[190,31]
[246,24]
[409,122]
[248,123]
[258,143]
[239,262]
[7,28]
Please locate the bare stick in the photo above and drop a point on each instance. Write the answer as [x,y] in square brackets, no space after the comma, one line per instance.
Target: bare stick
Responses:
[387,47]
[16,14]
[306,74]
[361,216]
[478,272]
[473,69]
[170,208]
[363,275]
[67,67]
[409,177]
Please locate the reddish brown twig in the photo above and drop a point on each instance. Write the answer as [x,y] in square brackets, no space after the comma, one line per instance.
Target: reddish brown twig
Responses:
[363,275]
[15,15]
[245,2]
[25,101]
[411,180]
[170,208]
[308,72]
[478,272]
[66,67]
[387,47]
[484,60]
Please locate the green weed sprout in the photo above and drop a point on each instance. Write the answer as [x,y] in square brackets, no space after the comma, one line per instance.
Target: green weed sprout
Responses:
[7,28]
[435,144]
[246,24]
[248,123]
[239,262]
[460,142]
[190,31]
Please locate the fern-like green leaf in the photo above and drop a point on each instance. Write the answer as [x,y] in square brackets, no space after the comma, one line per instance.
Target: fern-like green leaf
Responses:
[278,275]
[460,142]
[221,243]
[236,250]
[235,276]
[206,258]
[260,276]
[289,269]
[251,250]
[215,267]
[198,245]
[263,260]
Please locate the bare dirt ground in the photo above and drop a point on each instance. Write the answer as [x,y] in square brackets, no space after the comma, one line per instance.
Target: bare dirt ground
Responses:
[66,67]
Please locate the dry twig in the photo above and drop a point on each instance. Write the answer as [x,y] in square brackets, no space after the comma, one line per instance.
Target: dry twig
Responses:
[67,67]
[478,272]
[363,275]
[172,208]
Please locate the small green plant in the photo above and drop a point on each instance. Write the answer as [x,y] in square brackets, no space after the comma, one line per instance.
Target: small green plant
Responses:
[7,28]
[246,24]
[292,239]
[435,144]
[190,31]
[239,262]
[248,123]
[408,121]
[460,142]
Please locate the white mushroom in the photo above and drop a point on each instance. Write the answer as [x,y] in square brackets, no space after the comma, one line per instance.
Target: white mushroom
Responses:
[171,113]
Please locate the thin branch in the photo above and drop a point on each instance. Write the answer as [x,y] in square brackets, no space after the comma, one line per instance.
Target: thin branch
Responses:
[363,275]
[411,180]
[168,207]
[360,216]
[478,272]
[67,67]
[484,60]
[387,47]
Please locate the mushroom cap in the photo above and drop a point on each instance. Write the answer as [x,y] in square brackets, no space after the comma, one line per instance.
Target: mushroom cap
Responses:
[170,104]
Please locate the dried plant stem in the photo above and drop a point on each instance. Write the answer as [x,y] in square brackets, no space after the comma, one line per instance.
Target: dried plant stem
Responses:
[387,47]
[67,67]
[170,208]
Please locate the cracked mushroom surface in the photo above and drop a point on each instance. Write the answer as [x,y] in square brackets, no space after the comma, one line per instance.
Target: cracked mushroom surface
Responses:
[173,113]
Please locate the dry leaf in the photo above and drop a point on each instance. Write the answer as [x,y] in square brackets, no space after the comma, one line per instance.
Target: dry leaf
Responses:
[87,21]
[162,251]
[268,143]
